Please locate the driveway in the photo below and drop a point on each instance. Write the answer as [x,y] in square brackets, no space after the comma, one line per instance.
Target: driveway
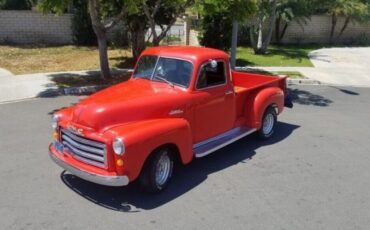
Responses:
[5,73]
[341,66]
[314,174]
[335,66]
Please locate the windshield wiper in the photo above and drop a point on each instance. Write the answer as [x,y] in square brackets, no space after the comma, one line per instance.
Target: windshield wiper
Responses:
[164,79]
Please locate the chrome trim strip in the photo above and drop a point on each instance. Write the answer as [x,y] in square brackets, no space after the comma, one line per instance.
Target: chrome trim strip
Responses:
[215,138]
[85,150]
[229,92]
[95,178]
[223,144]
[91,162]
[175,112]
[75,151]
[83,147]
[83,140]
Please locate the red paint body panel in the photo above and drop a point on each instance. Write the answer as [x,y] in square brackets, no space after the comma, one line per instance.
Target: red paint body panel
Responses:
[148,114]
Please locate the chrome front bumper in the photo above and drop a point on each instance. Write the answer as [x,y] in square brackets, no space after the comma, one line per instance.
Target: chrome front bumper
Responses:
[98,179]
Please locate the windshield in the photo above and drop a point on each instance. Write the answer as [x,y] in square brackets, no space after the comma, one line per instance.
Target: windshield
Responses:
[169,70]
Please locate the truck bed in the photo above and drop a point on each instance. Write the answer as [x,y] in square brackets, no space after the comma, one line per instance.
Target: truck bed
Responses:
[244,80]
[247,85]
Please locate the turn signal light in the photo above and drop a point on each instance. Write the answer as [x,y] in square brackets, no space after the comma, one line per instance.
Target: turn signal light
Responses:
[55,135]
[119,162]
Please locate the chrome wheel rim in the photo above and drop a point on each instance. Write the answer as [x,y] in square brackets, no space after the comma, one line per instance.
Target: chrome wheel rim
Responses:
[268,124]
[163,169]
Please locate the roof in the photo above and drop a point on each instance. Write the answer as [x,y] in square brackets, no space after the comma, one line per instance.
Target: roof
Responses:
[191,53]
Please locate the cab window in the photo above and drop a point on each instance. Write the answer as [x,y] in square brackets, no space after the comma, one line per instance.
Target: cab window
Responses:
[211,74]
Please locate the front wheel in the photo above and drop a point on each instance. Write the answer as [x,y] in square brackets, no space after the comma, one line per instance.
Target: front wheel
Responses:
[268,125]
[157,171]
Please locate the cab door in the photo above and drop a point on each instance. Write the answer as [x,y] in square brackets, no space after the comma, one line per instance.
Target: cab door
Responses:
[214,111]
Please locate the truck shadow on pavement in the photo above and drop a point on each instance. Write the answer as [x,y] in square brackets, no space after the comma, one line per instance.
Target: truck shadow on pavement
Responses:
[131,199]
[304,97]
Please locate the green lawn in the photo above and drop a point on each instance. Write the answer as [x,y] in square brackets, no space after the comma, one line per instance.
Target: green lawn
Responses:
[292,56]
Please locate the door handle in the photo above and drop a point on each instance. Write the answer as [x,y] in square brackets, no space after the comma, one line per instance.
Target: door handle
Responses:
[229,92]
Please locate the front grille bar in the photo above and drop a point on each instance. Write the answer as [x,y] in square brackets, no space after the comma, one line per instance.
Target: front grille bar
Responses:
[83,149]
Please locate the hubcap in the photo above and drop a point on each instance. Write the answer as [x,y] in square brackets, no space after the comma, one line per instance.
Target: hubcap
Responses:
[163,169]
[268,124]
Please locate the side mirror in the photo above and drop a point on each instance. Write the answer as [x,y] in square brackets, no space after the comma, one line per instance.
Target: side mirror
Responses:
[211,66]
[214,64]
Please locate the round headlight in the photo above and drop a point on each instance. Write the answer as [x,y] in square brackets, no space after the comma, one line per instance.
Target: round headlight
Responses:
[118,146]
[54,121]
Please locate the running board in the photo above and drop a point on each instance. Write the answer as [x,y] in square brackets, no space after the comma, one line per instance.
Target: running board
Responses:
[206,147]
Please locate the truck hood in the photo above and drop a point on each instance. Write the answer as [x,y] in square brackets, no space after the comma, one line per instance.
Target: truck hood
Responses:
[134,100]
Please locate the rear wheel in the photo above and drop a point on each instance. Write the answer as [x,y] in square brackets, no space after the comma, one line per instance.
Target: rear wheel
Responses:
[268,125]
[158,170]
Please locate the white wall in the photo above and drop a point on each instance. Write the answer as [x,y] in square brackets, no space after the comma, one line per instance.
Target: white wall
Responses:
[317,30]
[34,27]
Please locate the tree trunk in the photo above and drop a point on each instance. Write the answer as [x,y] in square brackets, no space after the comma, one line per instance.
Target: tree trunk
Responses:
[262,44]
[100,32]
[234,44]
[283,32]
[268,38]
[334,20]
[345,25]
[259,38]
[252,37]
[103,55]
[138,41]
[157,38]
[277,29]
[156,41]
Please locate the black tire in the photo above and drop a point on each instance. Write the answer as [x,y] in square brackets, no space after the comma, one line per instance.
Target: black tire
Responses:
[269,117]
[148,179]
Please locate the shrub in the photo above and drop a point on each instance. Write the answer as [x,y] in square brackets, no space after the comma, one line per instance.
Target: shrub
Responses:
[243,35]
[15,5]
[83,33]
[216,31]
[118,37]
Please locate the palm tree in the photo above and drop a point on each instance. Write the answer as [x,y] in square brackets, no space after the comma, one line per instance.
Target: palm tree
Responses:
[291,10]
[351,10]
[266,12]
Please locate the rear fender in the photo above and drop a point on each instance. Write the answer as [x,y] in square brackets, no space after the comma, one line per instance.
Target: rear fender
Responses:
[142,138]
[263,99]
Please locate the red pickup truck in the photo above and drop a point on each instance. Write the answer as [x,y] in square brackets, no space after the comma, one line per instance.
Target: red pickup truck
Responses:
[180,103]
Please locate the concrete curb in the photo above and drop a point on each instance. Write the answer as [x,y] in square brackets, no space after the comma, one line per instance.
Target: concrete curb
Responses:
[303,82]
[75,91]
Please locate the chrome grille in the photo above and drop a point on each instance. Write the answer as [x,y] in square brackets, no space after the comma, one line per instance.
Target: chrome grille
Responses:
[83,149]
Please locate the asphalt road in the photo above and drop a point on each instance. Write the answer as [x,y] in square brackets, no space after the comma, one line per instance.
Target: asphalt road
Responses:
[314,174]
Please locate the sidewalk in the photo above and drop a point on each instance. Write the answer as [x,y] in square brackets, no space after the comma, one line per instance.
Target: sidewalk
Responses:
[14,88]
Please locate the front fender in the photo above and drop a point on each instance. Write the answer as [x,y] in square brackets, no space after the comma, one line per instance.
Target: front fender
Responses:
[263,99]
[141,138]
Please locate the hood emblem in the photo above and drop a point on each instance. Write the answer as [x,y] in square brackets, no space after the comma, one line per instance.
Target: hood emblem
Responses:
[77,131]
[176,111]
